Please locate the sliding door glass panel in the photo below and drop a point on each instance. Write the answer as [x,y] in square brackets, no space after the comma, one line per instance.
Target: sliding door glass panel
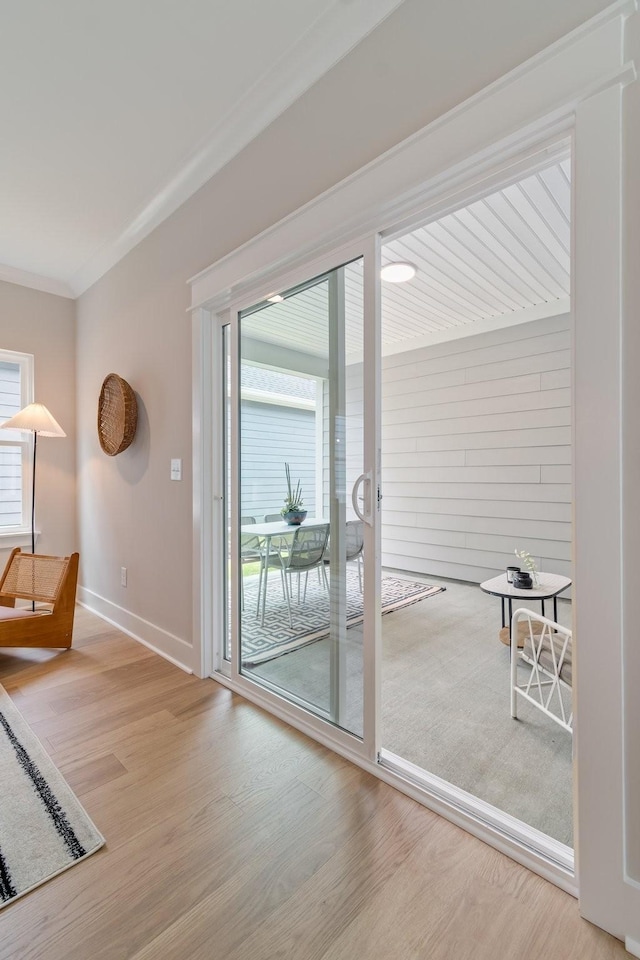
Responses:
[300,446]
[225,469]
[471,470]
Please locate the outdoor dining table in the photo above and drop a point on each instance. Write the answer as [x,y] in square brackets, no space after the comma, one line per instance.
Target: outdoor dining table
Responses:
[273,531]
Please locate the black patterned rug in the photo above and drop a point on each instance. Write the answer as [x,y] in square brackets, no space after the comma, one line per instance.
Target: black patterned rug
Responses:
[43,827]
[262,642]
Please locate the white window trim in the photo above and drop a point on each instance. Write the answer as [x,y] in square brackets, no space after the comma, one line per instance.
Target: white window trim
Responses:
[20,535]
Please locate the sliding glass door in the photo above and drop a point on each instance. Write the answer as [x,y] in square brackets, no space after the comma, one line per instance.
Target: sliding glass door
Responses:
[296,487]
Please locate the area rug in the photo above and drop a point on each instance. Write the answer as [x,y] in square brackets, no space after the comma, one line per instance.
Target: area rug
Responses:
[43,828]
[262,642]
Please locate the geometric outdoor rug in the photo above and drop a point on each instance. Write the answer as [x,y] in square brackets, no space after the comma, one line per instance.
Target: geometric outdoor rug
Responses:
[276,637]
[43,828]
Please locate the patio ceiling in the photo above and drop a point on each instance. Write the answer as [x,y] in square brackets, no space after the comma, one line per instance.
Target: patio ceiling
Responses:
[500,260]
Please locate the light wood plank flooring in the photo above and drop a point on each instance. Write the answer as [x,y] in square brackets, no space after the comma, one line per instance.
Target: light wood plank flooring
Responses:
[231,836]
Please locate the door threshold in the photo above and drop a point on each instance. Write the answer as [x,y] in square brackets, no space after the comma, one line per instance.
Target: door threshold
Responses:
[537,851]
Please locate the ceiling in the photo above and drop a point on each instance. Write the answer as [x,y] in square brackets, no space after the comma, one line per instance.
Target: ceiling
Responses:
[503,259]
[115,111]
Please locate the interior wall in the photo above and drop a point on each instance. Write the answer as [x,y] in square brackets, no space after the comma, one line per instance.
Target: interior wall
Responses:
[476,453]
[418,64]
[44,325]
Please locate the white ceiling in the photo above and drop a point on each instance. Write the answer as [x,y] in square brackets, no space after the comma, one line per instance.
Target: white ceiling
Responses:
[115,111]
[503,259]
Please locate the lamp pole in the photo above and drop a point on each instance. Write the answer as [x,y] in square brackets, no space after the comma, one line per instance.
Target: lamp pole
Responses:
[33,494]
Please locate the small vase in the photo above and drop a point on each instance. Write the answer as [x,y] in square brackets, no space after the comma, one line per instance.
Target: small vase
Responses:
[522,581]
[294,517]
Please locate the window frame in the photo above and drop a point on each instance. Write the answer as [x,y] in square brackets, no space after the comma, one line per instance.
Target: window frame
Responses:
[18,535]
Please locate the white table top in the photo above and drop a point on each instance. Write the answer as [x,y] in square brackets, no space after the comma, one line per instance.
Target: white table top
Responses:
[550,585]
[279,528]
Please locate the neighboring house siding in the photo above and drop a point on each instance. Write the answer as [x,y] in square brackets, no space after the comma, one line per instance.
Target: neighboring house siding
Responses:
[354,432]
[476,454]
[354,403]
[326,453]
[270,436]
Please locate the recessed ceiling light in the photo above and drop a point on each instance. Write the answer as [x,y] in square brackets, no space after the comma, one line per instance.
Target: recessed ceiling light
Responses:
[398,272]
[276,298]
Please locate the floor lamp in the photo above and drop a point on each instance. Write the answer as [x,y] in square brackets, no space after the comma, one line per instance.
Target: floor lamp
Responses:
[36,418]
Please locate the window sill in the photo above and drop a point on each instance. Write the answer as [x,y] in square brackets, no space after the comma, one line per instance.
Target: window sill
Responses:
[11,537]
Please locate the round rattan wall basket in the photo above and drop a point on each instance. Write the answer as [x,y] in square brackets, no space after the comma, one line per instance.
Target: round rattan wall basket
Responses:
[117,415]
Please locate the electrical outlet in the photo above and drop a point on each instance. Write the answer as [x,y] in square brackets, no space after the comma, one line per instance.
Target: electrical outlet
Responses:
[176,469]
[123,576]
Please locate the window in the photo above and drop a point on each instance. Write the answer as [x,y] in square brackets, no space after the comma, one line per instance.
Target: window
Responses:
[16,391]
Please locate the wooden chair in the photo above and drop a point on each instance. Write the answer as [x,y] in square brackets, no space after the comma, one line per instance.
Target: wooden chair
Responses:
[41,579]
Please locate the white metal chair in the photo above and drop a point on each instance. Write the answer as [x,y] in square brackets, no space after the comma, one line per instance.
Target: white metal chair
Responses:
[281,543]
[354,545]
[548,666]
[306,552]
[250,551]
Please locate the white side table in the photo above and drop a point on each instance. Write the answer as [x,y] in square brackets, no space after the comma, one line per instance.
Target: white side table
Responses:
[549,586]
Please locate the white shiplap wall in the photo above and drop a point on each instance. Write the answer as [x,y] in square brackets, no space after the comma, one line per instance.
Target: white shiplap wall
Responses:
[476,453]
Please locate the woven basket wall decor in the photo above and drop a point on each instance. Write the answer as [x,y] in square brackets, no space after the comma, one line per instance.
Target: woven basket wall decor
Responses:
[117,415]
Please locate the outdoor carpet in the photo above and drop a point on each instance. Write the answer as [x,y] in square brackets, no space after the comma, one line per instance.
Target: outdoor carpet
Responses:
[43,827]
[262,642]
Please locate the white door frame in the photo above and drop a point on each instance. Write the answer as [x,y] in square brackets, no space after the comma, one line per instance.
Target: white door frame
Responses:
[576,85]
[208,613]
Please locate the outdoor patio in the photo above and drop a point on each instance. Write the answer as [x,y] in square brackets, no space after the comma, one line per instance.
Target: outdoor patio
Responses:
[445,698]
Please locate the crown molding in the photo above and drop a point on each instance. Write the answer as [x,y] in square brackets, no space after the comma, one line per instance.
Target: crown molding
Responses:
[35,281]
[293,72]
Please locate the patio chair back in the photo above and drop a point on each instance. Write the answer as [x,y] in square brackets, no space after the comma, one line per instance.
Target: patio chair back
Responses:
[354,537]
[308,547]
[273,517]
[249,546]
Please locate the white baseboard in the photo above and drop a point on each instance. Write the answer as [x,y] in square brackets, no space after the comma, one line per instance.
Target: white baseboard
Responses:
[632,947]
[172,648]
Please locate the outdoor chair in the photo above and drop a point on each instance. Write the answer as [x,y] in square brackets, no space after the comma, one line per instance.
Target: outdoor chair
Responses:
[250,551]
[276,518]
[354,545]
[305,552]
[249,546]
[546,666]
[42,580]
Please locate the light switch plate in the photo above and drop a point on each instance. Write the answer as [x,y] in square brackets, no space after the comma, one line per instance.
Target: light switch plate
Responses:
[176,469]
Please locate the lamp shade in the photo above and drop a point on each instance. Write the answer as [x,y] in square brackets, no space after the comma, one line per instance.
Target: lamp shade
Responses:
[37,418]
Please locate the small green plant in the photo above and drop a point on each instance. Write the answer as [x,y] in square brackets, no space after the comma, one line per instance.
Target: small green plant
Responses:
[293,499]
[529,563]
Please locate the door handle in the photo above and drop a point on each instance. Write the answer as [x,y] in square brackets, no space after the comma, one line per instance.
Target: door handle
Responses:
[366,516]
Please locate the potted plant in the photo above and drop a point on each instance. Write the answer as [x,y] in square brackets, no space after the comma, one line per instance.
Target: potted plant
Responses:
[293,511]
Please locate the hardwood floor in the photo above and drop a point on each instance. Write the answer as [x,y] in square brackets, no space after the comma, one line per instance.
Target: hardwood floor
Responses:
[230,835]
